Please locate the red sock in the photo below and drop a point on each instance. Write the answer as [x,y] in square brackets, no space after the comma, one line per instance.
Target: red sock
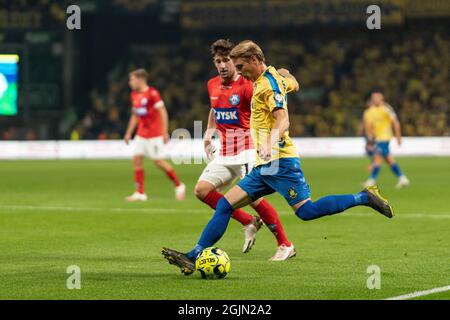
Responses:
[272,221]
[243,217]
[139,180]
[173,176]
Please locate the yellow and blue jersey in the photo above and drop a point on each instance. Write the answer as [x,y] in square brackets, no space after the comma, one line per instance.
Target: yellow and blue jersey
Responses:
[380,118]
[270,93]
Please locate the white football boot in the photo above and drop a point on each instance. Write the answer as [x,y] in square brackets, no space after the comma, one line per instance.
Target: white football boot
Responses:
[180,192]
[402,182]
[369,183]
[284,252]
[137,196]
[250,231]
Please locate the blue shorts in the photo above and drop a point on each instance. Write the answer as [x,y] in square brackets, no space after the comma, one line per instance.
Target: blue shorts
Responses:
[382,148]
[288,181]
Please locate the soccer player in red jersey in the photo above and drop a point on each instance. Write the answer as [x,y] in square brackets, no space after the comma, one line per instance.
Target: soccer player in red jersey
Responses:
[149,116]
[230,95]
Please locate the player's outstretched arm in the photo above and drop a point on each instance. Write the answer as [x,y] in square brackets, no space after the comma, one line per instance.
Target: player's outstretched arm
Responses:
[285,73]
[132,124]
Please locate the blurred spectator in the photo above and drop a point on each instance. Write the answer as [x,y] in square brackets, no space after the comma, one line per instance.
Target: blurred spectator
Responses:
[335,76]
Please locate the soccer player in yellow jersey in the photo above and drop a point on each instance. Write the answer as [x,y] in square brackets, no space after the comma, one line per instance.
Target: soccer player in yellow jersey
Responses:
[277,165]
[379,120]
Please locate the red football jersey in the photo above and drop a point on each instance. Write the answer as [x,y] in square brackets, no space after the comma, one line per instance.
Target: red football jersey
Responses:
[231,104]
[145,105]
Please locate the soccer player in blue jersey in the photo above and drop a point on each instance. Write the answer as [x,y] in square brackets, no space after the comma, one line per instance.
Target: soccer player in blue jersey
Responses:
[277,165]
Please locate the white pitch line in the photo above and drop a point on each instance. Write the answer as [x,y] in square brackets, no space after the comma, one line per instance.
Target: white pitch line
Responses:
[420,293]
[141,210]
[205,210]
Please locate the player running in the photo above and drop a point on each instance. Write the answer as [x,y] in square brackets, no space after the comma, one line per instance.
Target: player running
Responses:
[277,166]
[230,95]
[379,119]
[149,116]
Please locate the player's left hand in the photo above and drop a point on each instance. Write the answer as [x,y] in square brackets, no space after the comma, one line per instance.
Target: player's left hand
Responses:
[166,137]
[265,152]
[399,142]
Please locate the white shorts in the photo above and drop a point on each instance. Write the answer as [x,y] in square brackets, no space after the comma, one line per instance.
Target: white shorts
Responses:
[220,175]
[154,148]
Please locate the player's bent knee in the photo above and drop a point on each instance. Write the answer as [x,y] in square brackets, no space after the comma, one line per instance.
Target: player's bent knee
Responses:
[255,203]
[200,192]
[161,164]
[306,212]
[202,189]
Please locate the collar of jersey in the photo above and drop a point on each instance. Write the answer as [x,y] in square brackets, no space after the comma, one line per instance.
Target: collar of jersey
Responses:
[262,74]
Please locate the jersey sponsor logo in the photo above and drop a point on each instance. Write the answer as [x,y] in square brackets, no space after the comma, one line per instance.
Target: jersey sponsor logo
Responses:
[235,99]
[140,111]
[144,102]
[226,115]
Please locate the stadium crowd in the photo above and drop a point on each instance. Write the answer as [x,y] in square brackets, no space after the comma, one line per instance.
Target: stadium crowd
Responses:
[335,74]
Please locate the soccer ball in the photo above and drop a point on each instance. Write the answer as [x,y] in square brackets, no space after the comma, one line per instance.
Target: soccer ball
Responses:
[213,263]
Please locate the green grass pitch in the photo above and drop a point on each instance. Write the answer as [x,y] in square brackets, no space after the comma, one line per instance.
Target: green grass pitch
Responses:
[54,214]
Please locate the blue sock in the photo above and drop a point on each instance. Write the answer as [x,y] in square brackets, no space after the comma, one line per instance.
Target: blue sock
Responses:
[192,255]
[375,172]
[215,228]
[330,205]
[396,169]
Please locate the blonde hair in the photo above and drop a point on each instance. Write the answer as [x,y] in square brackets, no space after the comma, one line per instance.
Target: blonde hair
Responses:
[247,49]
[140,73]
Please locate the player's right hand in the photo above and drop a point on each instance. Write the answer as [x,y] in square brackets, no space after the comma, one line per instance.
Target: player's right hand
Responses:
[370,146]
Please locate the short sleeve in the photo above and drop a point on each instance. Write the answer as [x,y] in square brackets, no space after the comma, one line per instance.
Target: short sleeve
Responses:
[275,100]
[290,84]
[156,99]
[391,111]
[366,117]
